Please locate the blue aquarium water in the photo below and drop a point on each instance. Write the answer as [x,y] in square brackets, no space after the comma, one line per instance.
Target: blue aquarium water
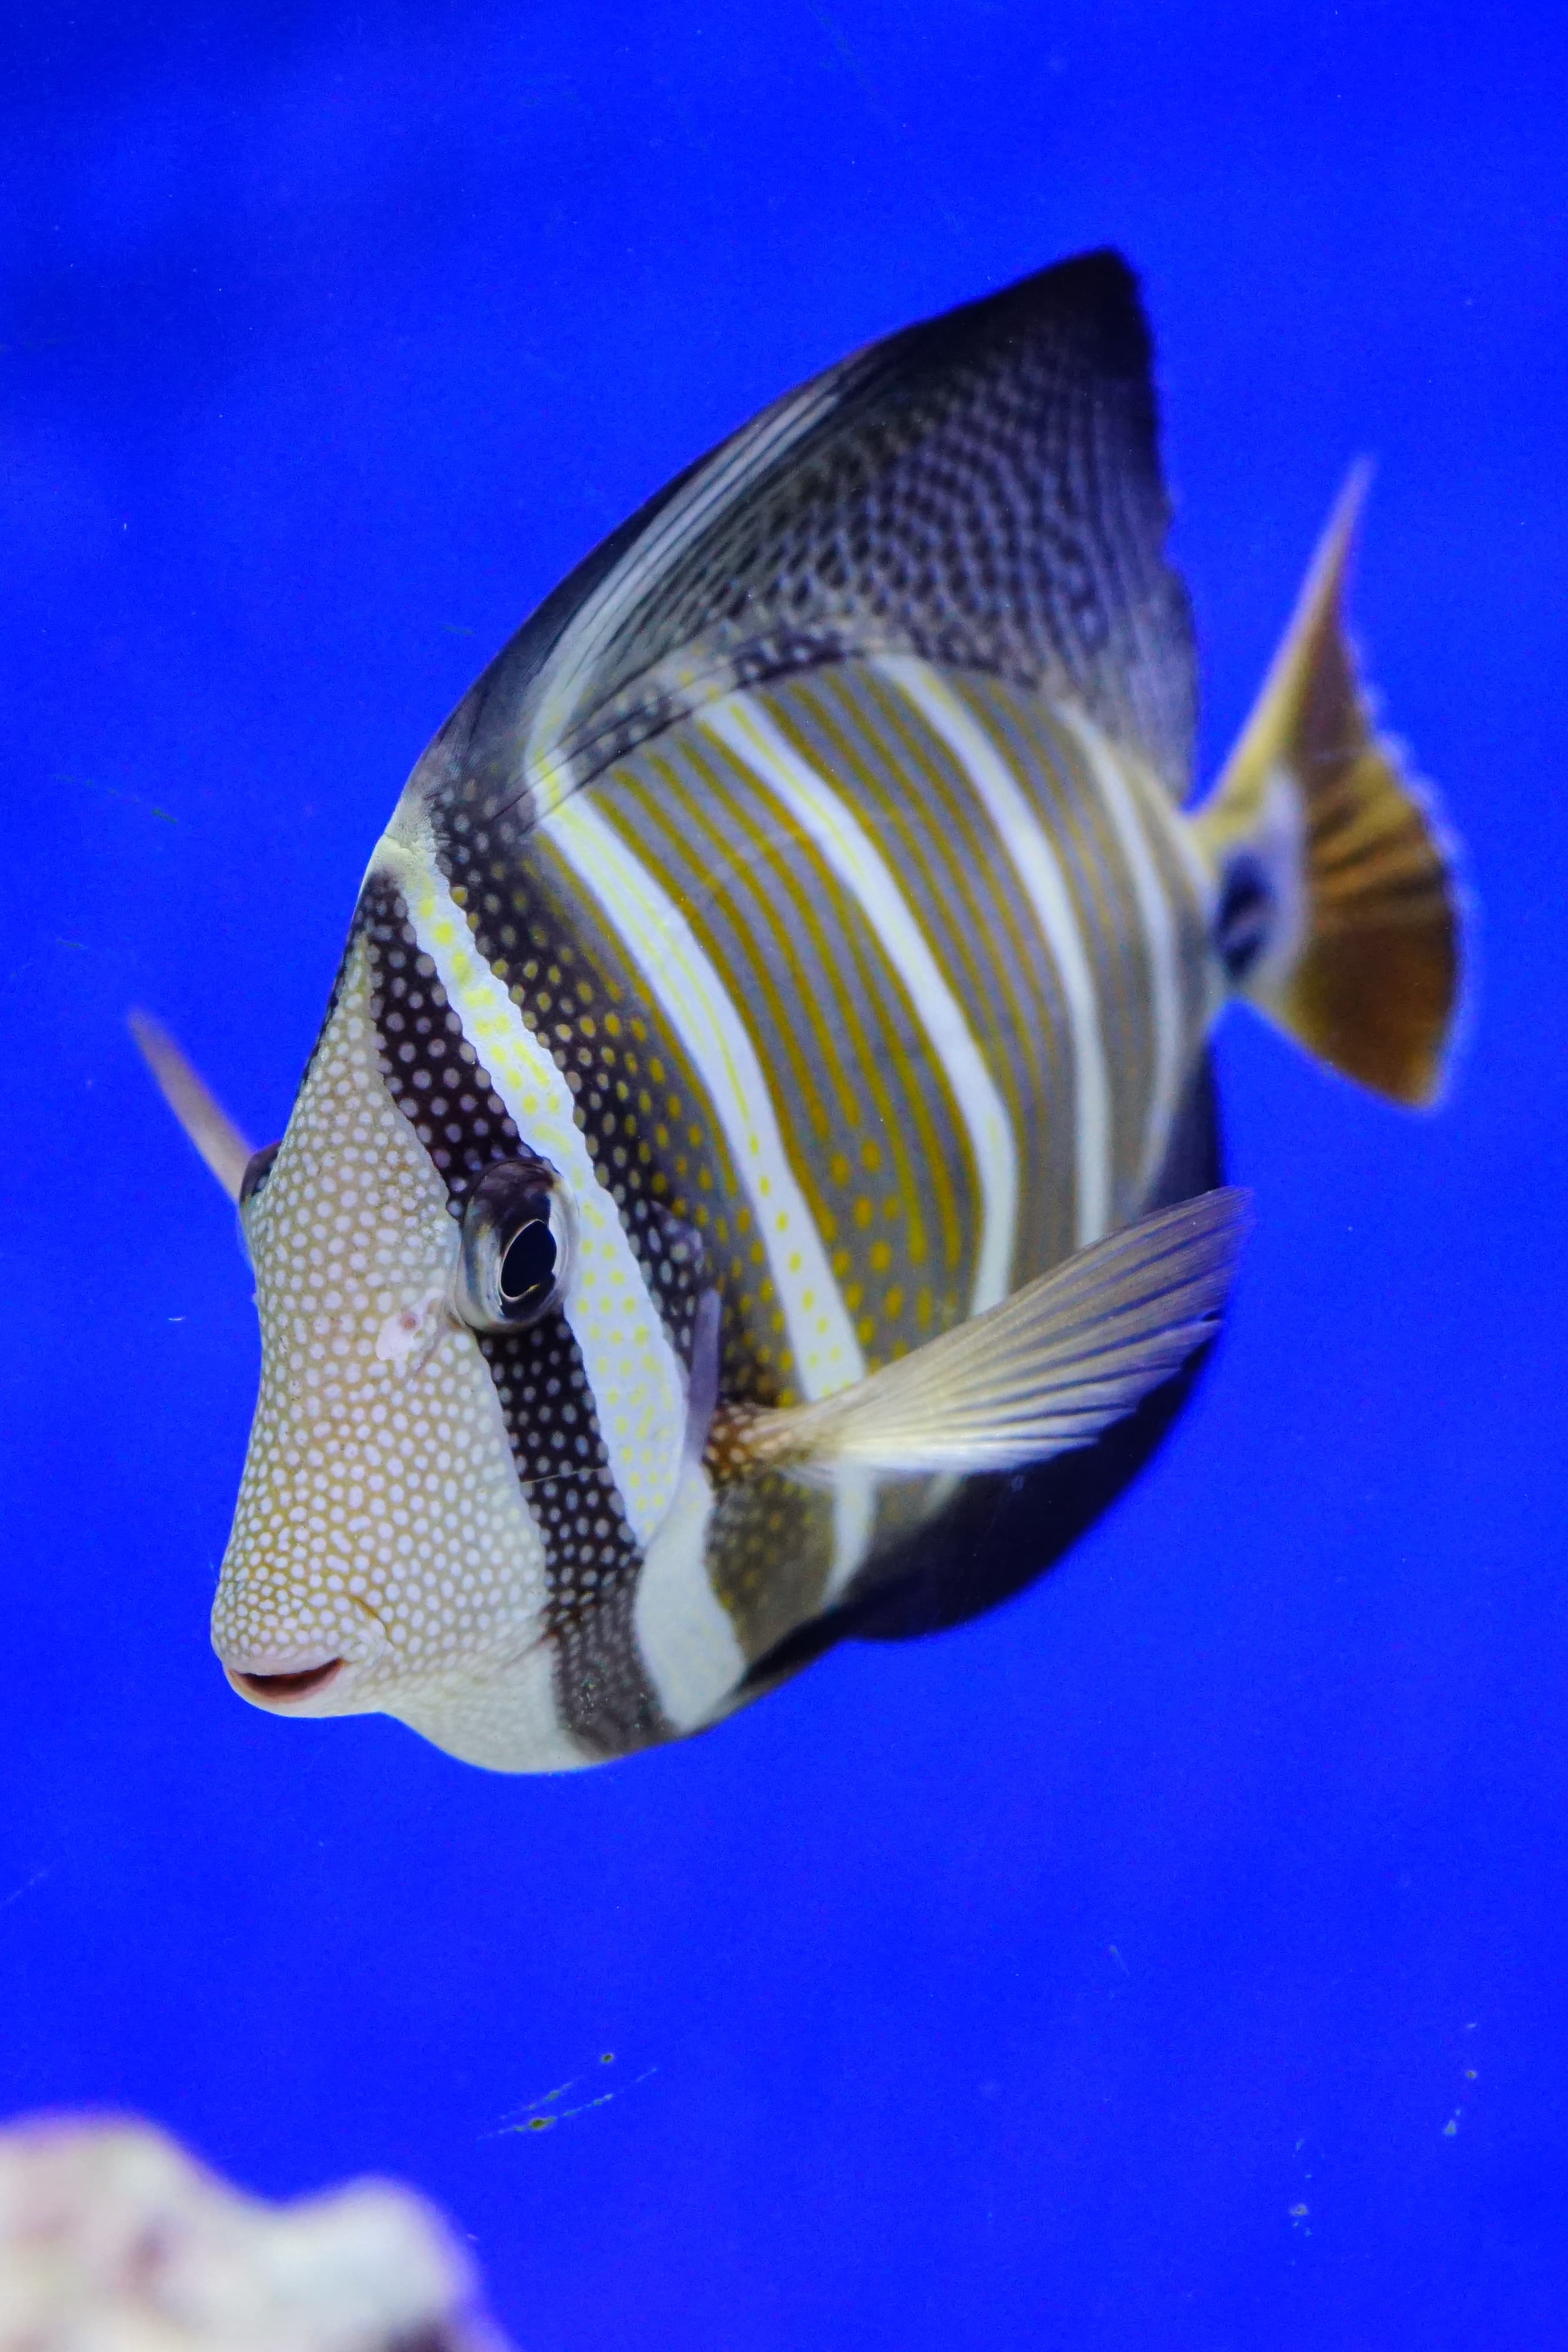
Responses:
[1177,1956]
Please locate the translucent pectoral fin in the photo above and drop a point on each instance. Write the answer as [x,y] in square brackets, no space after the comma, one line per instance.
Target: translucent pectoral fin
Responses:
[1045,1371]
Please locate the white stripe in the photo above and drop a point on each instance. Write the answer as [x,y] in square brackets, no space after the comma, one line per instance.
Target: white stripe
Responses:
[1122,799]
[684,1630]
[592,627]
[638,1385]
[715,1038]
[1182,839]
[747,732]
[854,1520]
[1035,861]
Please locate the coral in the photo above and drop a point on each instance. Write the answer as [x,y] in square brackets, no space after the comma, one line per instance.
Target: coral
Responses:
[113,2240]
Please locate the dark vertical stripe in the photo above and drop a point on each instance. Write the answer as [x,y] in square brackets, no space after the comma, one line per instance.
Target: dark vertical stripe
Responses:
[592,1558]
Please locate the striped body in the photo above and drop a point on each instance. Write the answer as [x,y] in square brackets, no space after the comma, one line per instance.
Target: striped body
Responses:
[879,987]
[798,919]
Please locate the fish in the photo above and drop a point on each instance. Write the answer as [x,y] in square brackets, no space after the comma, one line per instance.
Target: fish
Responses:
[759,1182]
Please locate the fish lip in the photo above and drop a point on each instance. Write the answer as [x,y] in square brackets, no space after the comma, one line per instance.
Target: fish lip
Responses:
[286,1689]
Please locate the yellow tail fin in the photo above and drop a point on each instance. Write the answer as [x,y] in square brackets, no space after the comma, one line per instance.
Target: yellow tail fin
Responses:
[1339,911]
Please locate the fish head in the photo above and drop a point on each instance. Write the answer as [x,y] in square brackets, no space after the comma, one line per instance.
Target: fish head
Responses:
[472,1415]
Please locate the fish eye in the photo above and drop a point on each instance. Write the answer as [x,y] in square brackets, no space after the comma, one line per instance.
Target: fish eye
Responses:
[516,1257]
[529,1263]
[258,1168]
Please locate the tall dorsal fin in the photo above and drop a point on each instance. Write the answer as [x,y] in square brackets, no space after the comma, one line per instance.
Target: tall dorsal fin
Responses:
[982,490]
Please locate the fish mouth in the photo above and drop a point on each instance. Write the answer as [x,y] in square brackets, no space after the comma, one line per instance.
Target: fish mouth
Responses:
[281,1690]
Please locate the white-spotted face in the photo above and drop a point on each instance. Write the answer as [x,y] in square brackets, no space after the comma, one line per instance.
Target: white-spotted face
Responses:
[384,1557]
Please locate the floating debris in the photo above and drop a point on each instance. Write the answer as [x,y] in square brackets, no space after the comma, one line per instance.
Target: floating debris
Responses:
[542,2114]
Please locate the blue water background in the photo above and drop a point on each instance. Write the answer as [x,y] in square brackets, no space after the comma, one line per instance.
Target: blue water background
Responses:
[1178,1958]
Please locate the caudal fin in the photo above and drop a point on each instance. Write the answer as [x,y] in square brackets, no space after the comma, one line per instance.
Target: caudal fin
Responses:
[1339,911]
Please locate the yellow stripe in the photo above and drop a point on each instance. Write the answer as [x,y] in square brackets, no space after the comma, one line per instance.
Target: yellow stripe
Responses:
[681,975]
[746,728]
[1040,869]
[952,887]
[921,1174]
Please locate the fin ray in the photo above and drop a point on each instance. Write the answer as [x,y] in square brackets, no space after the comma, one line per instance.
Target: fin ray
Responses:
[1362,961]
[1044,1371]
[982,489]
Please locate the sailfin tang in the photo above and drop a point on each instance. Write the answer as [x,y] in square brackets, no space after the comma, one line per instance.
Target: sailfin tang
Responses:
[204,1121]
[1339,912]
[1044,1372]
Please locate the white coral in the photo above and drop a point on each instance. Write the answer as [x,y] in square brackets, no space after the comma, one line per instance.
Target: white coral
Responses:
[112,2240]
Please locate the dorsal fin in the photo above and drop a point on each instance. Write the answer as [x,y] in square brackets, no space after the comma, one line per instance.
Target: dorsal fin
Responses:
[983,489]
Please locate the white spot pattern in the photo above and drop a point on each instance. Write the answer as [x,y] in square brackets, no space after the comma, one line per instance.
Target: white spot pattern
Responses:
[637,1384]
[380,1519]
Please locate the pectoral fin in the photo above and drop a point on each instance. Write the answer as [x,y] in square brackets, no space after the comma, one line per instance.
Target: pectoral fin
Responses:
[1044,1371]
[199,1112]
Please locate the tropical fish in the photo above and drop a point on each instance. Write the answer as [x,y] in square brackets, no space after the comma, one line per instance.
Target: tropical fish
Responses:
[757,1180]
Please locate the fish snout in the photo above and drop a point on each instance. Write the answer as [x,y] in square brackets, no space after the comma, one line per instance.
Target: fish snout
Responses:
[292,1687]
[295,1670]
[292,1660]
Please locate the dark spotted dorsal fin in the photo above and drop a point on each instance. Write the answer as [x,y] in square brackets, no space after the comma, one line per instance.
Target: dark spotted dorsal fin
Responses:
[983,489]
